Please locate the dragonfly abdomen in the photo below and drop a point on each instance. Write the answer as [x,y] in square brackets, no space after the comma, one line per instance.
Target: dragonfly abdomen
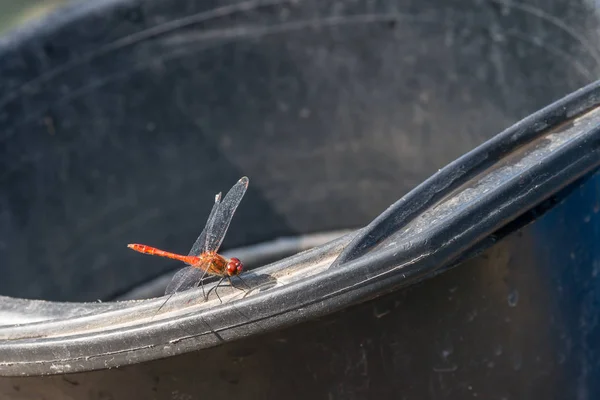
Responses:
[142,248]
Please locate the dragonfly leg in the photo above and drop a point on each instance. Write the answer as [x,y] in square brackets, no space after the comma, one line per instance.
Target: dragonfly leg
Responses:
[244,282]
[201,282]
[236,287]
[203,293]
[216,287]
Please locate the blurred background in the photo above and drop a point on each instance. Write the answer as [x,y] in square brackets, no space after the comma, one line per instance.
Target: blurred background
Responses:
[13,13]
[120,120]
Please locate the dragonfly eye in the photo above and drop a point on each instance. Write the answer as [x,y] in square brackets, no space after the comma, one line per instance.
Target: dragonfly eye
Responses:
[234,266]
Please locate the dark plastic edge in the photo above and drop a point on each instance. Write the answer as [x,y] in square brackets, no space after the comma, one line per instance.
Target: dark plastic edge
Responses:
[474,162]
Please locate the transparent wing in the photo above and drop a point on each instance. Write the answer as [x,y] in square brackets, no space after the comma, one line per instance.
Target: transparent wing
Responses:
[184,279]
[199,246]
[217,226]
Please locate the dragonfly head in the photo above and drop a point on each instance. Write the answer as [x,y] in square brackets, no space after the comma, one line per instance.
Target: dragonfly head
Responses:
[234,266]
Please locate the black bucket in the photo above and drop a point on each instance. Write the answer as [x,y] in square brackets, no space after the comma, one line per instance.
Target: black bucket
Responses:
[120,120]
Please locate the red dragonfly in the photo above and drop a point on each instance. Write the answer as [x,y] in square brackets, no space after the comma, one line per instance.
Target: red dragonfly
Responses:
[203,259]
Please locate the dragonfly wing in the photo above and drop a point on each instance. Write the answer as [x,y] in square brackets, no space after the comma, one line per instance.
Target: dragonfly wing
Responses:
[184,279]
[200,244]
[217,226]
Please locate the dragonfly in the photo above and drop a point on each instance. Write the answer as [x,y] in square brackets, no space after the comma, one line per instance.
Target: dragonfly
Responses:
[203,259]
